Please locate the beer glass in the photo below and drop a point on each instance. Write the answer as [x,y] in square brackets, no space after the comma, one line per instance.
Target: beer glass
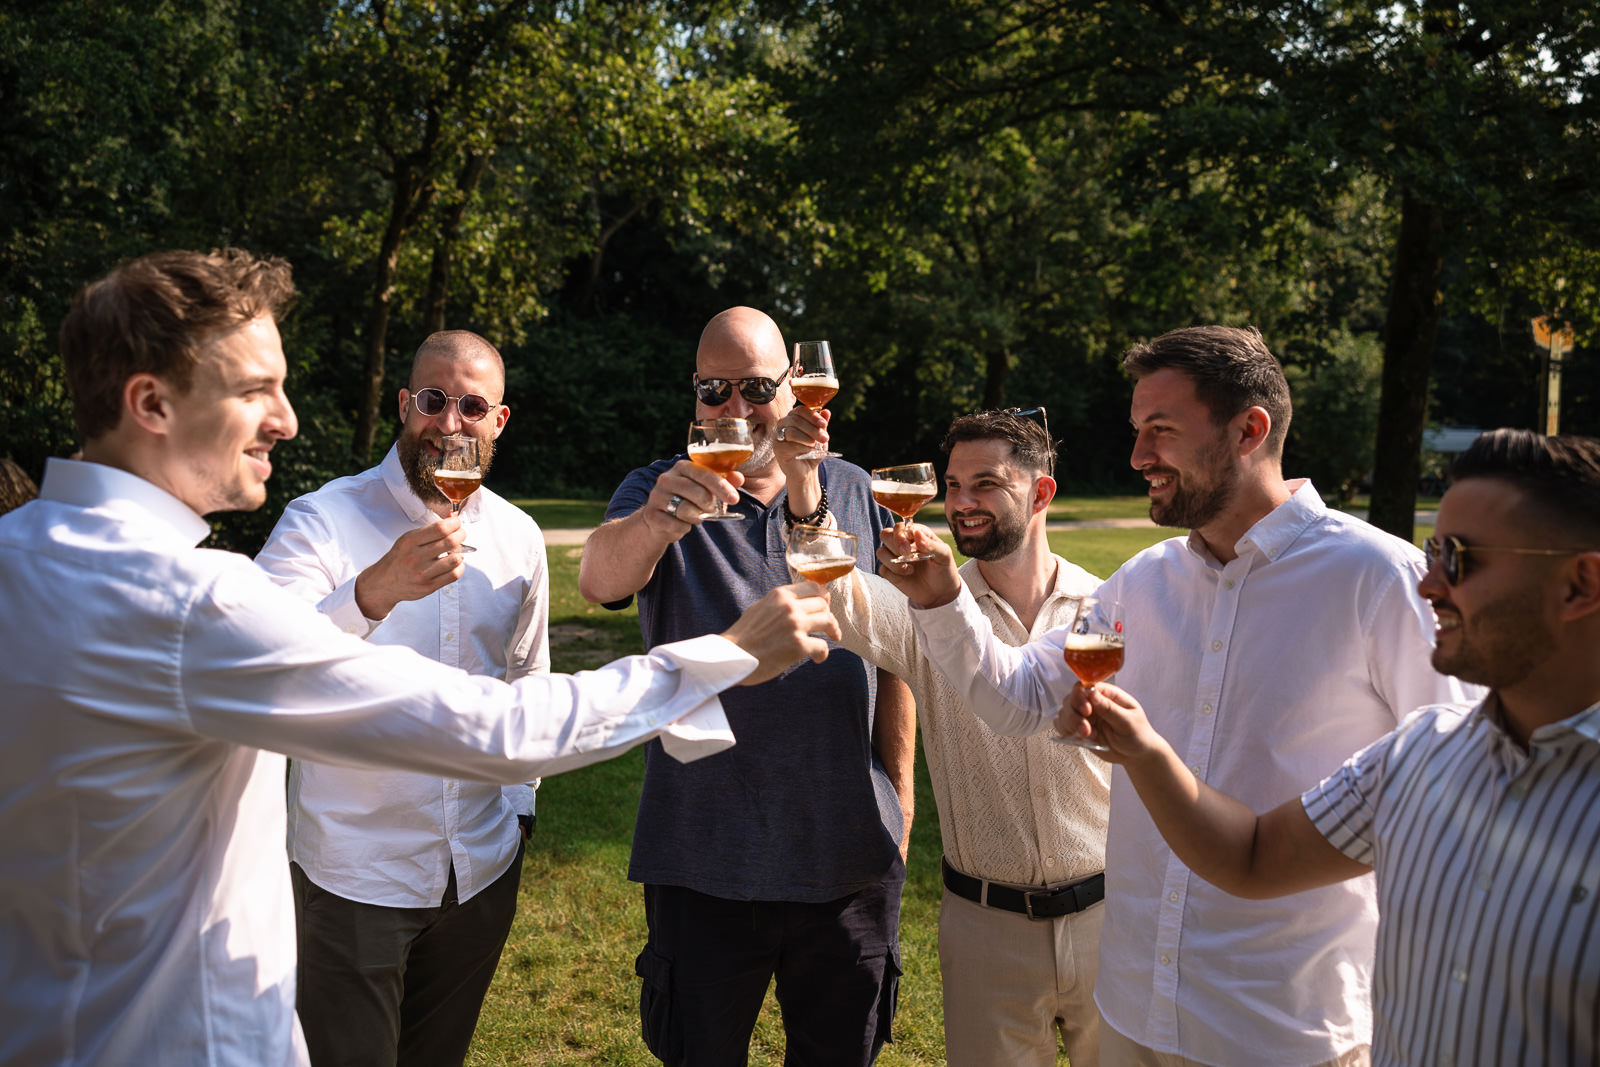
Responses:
[459,472]
[904,490]
[819,554]
[814,382]
[1093,650]
[721,446]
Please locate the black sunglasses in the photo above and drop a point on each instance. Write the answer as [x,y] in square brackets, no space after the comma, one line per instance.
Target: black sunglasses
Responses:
[431,402]
[714,392]
[1447,552]
[1044,417]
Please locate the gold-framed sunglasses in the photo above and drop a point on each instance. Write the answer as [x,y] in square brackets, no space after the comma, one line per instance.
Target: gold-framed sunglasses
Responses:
[1447,553]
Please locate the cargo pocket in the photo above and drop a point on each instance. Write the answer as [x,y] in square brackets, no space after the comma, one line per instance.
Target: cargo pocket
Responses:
[888,999]
[658,1016]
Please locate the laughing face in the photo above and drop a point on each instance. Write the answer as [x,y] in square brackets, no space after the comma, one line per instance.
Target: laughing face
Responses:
[1493,625]
[227,423]
[988,499]
[1183,454]
[418,445]
[726,359]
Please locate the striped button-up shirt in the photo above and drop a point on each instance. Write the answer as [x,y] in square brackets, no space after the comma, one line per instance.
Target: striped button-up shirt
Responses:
[1488,866]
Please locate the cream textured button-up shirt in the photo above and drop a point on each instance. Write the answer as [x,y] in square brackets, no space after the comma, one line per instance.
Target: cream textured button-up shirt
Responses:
[1027,811]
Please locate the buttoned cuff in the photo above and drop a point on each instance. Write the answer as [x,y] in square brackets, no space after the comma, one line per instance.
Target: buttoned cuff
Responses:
[340,606]
[712,661]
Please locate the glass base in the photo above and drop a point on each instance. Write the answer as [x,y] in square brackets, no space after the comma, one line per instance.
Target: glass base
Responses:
[912,557]
[721,516]
[465,548]
[1079,742]
[821,455]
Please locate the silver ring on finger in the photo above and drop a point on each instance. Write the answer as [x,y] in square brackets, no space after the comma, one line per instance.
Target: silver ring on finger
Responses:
[673,505]
[781,431]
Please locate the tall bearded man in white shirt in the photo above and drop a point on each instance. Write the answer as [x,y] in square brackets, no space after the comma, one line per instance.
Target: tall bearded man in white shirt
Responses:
[406,884]
[1023,819]
[1481,823]
[1266,645]
[145,912]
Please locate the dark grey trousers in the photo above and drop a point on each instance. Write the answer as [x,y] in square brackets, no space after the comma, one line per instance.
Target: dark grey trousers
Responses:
[397,987]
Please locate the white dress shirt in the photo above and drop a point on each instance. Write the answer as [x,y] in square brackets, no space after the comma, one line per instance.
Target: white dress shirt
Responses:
[1488,866]
[145,912]
[1263,674]
[390,837]
[1024,811]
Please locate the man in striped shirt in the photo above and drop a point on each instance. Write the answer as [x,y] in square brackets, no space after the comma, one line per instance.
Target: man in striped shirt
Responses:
[1483,825]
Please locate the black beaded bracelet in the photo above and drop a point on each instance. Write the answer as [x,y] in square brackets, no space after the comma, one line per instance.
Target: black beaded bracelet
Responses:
[810,520]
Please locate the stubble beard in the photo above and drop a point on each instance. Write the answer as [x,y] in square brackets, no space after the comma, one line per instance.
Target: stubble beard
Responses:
[1503,643]
[1191,508]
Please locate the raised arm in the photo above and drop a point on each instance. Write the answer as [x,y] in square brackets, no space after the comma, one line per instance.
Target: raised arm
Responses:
[1221,840]
[621,555]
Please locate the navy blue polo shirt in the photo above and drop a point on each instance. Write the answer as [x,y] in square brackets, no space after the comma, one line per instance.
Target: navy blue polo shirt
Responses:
[800,809]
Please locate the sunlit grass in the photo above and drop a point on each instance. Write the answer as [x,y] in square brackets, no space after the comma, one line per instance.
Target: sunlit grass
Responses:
[565,992]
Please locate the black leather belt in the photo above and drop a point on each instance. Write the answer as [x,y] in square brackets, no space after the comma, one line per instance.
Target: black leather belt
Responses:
[1034,903]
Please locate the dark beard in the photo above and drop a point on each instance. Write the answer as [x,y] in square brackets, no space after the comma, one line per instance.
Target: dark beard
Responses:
[1000,540]
[419,464]
[1191,509]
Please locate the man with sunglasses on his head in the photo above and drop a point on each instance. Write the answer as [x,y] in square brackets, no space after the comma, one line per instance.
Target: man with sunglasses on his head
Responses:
[405,883]
[1483,825]
[1023,819]
[782,857]
[1267,644]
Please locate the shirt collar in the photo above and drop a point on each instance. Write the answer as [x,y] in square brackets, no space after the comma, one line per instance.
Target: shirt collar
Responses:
[80,483]
[1279,528]
[1585,724]
[973,578]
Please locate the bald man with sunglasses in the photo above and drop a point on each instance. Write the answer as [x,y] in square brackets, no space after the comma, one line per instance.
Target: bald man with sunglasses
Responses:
[784,859]
[405,883]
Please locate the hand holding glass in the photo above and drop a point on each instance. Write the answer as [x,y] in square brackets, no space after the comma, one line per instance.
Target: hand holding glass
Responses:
[814,382]
[459,472]
[819,554]
[1094,650]
[904,490]
[721,446]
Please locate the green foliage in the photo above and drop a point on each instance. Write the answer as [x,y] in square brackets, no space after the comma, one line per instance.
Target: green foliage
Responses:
[1335,416]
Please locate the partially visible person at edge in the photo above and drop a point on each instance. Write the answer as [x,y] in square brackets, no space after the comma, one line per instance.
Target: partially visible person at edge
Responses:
[1266,645]
[405,884]
[1484,824]
[785,856]
[1023,819]
[16,488]
[151,688]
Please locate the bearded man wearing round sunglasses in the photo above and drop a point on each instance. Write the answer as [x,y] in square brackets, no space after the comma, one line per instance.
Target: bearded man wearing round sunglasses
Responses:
[405,883]
[781,857]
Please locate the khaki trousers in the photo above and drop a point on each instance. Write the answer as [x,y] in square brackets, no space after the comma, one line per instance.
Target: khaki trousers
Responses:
[1012,984]
[1118,1051]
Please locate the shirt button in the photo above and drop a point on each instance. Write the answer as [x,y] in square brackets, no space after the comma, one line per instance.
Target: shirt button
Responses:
[1172,897]
[1484,883]
[1194,769]
[1205,709]
[1228,584]
[1216,646]
[1165,960]
[1038,790]
[1049,861]
[1460,975]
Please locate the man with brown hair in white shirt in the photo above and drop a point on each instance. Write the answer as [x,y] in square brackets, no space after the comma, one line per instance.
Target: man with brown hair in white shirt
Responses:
[406,884]
[153,687]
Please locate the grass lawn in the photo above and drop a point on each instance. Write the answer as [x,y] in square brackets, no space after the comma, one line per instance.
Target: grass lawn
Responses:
[566,992]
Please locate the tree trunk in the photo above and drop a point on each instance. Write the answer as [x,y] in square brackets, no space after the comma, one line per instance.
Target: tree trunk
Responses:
[996,368]
[1408,339]
[378,317]
[438,294]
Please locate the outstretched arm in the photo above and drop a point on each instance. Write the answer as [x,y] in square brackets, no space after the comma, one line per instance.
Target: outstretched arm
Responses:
[1221,840]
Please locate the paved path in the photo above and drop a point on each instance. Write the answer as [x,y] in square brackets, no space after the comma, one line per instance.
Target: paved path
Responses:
[578,537]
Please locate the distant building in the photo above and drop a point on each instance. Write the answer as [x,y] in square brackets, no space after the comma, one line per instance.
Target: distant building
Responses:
[1448,440]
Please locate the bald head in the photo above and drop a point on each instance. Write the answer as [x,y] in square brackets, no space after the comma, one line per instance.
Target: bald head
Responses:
[742,335]
[449,347]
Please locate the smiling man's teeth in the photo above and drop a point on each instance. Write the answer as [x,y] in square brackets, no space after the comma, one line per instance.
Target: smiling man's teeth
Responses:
[1160,483]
